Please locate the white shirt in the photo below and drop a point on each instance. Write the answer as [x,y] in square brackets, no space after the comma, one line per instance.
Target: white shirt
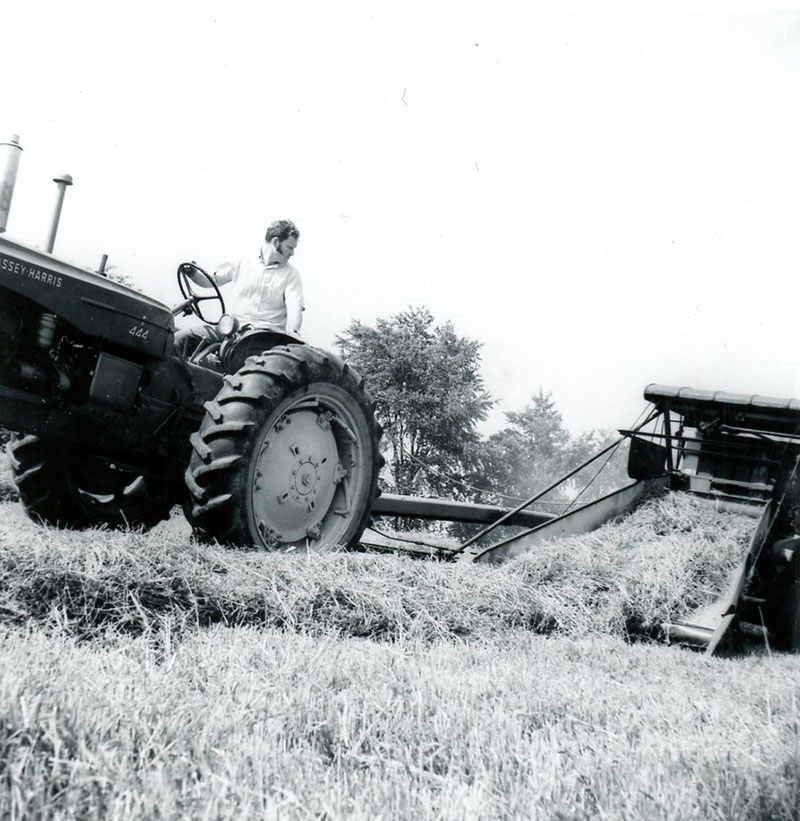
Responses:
[261,293]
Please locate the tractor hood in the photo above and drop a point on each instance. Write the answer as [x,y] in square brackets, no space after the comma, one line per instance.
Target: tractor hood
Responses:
[95,305]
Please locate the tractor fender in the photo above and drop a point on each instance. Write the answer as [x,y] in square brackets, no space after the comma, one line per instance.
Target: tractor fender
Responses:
[252,341]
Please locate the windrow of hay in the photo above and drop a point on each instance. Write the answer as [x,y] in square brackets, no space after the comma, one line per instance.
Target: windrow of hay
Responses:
[670,556]
[657,564]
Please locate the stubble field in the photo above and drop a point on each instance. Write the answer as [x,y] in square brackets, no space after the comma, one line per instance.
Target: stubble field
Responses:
[146,676]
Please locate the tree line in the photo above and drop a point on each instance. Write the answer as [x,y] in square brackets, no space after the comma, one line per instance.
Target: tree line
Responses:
[431,398]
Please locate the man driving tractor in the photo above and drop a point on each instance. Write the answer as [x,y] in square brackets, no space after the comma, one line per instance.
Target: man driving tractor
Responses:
[265,290]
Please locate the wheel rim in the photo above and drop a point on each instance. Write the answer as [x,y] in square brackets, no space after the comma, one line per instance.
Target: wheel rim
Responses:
[117,501]
[103,486]
[310,470]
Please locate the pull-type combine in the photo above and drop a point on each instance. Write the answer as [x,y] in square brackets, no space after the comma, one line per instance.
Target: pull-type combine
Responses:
[740,451]
[270,443]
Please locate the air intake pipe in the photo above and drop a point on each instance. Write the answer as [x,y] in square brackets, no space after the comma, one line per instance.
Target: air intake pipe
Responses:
[9,164]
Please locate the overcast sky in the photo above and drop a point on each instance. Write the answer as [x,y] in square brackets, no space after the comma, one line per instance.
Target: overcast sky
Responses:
[604,199]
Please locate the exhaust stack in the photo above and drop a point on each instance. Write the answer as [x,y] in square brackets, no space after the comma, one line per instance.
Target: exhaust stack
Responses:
[61,182]
[9,164]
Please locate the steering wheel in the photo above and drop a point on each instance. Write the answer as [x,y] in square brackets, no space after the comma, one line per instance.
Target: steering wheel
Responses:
[193,299]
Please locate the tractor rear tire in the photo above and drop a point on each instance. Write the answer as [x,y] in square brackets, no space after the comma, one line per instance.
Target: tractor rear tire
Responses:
[59,489]
[287,455]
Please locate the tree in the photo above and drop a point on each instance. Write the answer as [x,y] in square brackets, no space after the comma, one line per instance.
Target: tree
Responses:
[429,393]
[113,273]
[535,450]
[612,467]
[528,454]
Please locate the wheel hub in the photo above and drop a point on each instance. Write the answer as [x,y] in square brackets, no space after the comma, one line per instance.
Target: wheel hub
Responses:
[306,480]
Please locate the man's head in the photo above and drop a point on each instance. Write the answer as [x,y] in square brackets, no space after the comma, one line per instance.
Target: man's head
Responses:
[282,235]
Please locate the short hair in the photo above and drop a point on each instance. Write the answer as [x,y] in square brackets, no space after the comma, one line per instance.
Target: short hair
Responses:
[282,230]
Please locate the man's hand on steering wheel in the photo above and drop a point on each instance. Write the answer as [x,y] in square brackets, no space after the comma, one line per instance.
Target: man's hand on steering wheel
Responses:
[188,275]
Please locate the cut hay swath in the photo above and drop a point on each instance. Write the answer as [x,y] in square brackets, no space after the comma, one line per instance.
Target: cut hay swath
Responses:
[658,564]
[669,557]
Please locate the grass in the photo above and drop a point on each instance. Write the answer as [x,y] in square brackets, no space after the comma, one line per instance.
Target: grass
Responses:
[247,723]
[143,676]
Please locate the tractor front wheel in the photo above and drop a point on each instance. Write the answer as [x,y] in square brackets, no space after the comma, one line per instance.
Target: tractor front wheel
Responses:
[66,490]
[287,454]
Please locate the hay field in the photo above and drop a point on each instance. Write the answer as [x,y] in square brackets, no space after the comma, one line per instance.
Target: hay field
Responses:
[145,676]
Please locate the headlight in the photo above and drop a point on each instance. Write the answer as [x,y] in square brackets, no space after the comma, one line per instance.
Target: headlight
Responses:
[227,324]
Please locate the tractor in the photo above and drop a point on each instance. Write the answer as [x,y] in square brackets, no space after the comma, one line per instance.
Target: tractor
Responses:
[263,440]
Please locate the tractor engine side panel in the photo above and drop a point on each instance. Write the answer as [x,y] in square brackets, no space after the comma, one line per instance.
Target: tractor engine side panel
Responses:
[58,383]
[95,305]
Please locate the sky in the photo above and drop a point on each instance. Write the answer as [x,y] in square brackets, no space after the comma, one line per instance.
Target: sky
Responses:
[604,195]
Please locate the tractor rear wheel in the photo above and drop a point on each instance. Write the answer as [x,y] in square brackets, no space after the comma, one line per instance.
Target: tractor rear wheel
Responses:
[287,454]
[58,488]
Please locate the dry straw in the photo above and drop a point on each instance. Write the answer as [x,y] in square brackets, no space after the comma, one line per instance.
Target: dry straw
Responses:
[657,564]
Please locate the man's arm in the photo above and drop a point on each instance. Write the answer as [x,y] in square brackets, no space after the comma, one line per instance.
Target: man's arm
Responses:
[222,274]
[295,304]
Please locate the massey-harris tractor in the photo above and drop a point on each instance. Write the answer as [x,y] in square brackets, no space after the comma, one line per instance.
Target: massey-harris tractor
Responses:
[263,440]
